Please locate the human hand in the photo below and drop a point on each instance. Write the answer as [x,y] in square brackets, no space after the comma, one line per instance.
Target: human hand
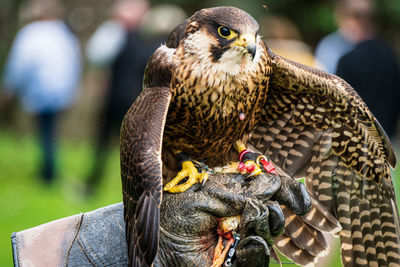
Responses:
[189,220]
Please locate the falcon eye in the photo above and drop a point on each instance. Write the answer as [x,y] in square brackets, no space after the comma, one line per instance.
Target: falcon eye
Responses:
[225,32]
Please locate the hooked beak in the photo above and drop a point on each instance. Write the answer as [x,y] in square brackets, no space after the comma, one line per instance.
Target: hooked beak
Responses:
[252,48]
[247,41]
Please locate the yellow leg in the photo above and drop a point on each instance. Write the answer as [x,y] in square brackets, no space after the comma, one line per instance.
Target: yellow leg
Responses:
[190,171]
[239,146]
[253,168]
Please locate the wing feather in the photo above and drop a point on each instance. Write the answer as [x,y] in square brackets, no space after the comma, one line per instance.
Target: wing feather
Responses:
[316,126]
[285,245]
[141,139]
[141,166]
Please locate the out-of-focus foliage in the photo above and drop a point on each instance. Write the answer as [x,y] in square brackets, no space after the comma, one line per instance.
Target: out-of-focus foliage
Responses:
[8,26]
[314,18]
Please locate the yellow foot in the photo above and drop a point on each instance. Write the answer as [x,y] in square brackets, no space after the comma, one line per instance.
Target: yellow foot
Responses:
[250,162]
[250,167]
[190,171]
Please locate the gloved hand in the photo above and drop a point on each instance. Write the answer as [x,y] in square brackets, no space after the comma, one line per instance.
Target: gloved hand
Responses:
[189,220]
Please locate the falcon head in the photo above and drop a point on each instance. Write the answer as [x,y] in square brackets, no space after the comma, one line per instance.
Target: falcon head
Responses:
[225,38]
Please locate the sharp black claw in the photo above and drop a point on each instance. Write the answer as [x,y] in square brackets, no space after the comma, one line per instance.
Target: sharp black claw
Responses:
[199,186]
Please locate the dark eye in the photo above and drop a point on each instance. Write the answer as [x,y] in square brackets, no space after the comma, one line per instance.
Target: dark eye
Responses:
[224,32]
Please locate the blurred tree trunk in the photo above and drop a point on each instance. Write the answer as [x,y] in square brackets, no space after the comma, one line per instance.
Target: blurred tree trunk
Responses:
[8,27]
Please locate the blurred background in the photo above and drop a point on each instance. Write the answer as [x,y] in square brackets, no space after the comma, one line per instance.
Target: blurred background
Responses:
[71,69]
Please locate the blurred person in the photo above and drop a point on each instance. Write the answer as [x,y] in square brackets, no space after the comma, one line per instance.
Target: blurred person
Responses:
[284,38]
[123,46]
[160,20]
[332,47]
[110,37]
[372,70]
[117,49]
[43,69]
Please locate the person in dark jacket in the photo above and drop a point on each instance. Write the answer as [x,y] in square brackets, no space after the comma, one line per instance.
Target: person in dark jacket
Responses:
[118,47]
[371,68]
[124,44]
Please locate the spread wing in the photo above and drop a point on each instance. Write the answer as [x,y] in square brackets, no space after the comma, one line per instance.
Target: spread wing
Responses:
[316,126]
[141,166]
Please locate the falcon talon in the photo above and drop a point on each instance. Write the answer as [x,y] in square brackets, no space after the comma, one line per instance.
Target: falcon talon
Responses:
[249,161]
[254,163]
[188,170]
[249,167]
[242,168]
[254,173]
[202,183]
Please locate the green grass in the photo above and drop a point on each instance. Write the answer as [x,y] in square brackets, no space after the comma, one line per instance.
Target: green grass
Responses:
[27,202]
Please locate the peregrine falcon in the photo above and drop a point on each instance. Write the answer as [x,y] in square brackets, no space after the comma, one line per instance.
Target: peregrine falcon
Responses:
[215,87]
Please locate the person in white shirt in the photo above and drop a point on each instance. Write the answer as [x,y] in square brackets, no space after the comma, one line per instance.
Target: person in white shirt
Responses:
[44,69]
